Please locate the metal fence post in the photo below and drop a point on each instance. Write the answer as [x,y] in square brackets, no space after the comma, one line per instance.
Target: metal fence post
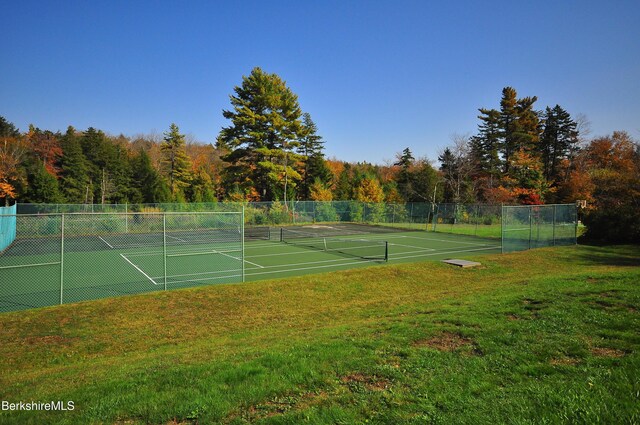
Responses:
[554,224]
[502,228]
[242,242]
[61,257]
[164,247]
[530,226]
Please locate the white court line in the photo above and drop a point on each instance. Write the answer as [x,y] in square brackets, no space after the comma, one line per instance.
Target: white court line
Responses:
[140,270]
[289,269]
[281,271]
[419,248]
[198,280]
[173,237]
[240,259]
[402,257]
[277,266]
[20,266]
[186,254]
[446,240]
[108,244]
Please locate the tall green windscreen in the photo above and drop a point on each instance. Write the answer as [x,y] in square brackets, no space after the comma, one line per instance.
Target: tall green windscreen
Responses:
[535,226]
[7,226]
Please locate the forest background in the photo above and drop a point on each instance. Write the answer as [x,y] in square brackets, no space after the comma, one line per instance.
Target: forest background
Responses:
[272,150]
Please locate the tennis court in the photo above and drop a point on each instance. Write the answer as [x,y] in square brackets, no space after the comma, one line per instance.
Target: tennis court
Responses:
[49,258]
[195,249]
[274,258]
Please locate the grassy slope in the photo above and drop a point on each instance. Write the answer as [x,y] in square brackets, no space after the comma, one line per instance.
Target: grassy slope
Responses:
[541,336]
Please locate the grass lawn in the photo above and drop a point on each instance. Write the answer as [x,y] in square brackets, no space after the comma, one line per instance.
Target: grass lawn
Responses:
[544,336]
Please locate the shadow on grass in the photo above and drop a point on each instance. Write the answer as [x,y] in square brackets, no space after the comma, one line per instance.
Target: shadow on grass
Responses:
[620,255]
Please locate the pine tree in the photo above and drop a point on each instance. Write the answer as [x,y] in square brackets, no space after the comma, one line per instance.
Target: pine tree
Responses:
[148,186]
[176,164]
[424,182]
[485,146]
[265,129]
[519,124]
[559,140]
[8,129]
[344,189]
[508,124]
[405,162]
[314,165]
[43,186]
[74,181]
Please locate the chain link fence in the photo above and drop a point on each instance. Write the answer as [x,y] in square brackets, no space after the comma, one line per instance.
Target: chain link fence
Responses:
[535,226]
[71,257]
[468,219]
[410,215]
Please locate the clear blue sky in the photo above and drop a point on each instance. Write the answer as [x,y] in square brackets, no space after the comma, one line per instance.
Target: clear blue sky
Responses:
[376,76]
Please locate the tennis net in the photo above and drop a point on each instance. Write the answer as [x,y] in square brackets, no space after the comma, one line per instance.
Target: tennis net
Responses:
[365,249]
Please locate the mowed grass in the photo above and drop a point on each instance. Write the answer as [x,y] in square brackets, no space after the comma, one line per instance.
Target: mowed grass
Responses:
[545,336]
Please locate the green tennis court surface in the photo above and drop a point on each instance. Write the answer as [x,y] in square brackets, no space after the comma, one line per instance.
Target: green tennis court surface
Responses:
[109,266]
[272,259]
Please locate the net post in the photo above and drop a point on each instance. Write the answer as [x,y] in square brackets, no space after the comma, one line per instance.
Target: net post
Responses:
[164,247]
[281,235]
[386,251]
[242,242]
[61,258]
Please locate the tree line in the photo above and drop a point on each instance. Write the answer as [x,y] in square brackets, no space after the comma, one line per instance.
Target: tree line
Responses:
[272,150]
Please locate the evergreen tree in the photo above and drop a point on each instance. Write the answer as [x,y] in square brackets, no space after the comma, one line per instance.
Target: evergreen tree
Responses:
[43,187]
[147,185]
[201,189]
[74,181]
[8,129]
[424,182]
[265,128]
[405,162]
[519,124]
[448,169]
[176,164]
[559,140]
[508,124]
[94,147]
[107,165]
[314,165]
[344,189]
[485,146]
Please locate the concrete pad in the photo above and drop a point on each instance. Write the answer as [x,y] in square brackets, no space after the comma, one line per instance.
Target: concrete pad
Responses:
[461,263]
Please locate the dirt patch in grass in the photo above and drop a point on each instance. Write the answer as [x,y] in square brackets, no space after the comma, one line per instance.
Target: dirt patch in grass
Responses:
[282,404]
[564,361]
[371,383]
[447,341]
[607,352]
